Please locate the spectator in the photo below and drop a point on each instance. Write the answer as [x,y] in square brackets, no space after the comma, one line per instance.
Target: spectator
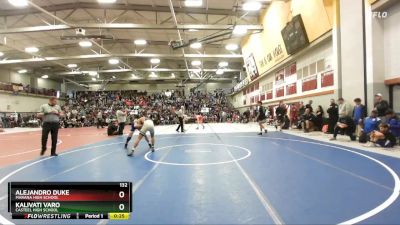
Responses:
[369,125]
[309,106]
[294,112]
[381,106]
[359,113]
[382,138]
[394,123]
[333,113]
[345,126]
[345,109]
[308,122]
[319,120]
[280,115]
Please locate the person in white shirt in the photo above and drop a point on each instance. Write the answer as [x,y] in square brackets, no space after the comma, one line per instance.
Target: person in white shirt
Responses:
[121,117]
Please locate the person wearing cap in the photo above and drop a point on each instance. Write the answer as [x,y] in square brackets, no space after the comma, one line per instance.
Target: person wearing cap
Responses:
[381,106]
[369,125]
[50,114]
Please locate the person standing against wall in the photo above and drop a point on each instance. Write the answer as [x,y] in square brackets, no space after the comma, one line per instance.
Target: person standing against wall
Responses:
[333,113]
[382,106]
[50,114]
[359,114]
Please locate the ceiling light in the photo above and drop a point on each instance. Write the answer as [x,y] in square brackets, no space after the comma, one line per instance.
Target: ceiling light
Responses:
[18,3]
[114,77]
[193,3]
[219,72]
[155,61]
[239,30]
[45,76]
[231,47]
[31,49]
[235,77]
[113,61]
[22,71]
[196,45]
[172,75]
[223,64]
[93,73]
[193,30]
[72,65]
[1,54]
[85,44]
[153,75]
[251,6]
[196,63]
[140,42]
[94,79]
[106,1]
[134,76]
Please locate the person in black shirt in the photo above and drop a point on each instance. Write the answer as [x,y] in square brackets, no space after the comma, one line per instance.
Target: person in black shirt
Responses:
[261,118]
[112,128]
[308,121]
[280,115]
[319,121]
[345,125]
[381,106]
[333,113]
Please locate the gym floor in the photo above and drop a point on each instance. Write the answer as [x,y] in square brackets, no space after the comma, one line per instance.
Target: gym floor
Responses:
[224,174]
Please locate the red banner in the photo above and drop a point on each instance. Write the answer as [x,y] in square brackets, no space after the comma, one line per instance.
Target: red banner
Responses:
[280,92]
[327,79]
[269,95]
[310,83]
[291,89]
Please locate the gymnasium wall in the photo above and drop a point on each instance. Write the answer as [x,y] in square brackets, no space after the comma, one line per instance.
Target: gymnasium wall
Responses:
[318,19]
[22,103]
[10,76]
[391,38]
[319,54]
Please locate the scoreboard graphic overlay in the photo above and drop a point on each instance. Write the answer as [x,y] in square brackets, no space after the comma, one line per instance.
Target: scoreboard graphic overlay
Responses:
[70,200]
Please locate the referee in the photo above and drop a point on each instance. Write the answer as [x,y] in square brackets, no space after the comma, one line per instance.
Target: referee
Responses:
[50,114]
[181,116]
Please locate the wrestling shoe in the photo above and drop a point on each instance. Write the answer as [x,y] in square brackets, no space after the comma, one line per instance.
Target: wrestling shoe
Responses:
[54,154]
[266,131]
[126,145]
[130,152]
[259,133]
[370,144]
